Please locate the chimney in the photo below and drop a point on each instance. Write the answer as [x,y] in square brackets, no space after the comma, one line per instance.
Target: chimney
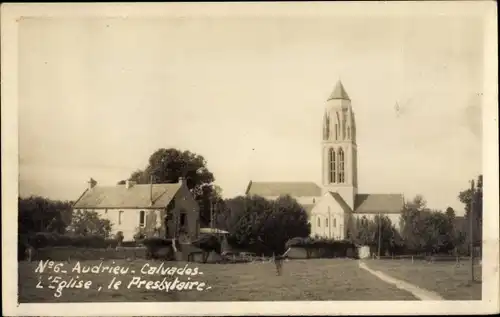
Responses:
[92,183]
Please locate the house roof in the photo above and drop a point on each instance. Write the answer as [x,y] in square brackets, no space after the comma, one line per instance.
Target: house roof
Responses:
[119,196]
[339,92]
[340,200]
[378,203]
[294,189]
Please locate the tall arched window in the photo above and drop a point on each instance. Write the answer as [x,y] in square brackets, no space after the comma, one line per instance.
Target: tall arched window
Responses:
[333,166]
[319,222]
[341,169]
[334,222]
[141,218]
[336,131]
[120,217]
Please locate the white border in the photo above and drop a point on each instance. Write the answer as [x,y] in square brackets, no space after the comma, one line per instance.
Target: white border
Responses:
[486,9]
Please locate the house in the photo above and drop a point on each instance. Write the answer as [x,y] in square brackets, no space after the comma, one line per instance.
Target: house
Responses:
[334,207]
[161,209]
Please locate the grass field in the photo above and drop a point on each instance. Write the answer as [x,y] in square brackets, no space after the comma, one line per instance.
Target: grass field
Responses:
[448,279]
[321,279]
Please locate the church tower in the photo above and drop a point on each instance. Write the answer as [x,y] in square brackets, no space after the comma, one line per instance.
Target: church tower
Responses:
[339,150]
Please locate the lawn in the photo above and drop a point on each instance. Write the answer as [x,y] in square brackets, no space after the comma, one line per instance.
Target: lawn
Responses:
[319,279]
[448,279]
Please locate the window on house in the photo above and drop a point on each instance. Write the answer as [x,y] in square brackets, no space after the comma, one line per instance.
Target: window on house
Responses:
[319,222]
[333,168]
[141,218]
[341,177]
[326,222]
[120,217]
[183,220]
[314,200]
[334,222]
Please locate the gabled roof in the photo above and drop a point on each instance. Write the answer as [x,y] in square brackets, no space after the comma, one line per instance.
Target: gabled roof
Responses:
[135,197]
[340,201]
[378,203]
[339,92]
[294,189]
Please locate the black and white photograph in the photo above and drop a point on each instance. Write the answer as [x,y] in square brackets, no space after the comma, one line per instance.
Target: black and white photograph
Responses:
[250,154]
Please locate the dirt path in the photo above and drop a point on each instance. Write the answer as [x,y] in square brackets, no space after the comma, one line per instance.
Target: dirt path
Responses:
[416,291]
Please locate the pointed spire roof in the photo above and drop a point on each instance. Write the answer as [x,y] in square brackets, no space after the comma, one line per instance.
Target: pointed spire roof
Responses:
[339,92]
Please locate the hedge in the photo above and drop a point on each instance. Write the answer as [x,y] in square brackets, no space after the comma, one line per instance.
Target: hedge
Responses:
[48,239]
[74,254]
[324,248]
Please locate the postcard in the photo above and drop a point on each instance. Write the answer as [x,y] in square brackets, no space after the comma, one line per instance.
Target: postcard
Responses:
[305,158]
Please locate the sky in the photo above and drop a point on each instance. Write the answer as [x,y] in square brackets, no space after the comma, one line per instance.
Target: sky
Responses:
[98,96]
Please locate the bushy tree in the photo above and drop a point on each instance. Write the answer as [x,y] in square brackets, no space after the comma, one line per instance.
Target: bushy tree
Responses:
[425,230]
[263,225]
[466,197]
[367,231]
[86,222]
[39,214]
[412,224]
[168,165]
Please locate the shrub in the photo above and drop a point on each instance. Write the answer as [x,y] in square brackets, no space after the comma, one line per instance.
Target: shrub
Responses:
[322,247]
[129,244]
[139,234]
[48,239]
[119,237]
[159,248]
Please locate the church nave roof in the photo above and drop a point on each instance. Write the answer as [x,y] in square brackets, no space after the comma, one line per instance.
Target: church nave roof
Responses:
[378,203]
[294,189]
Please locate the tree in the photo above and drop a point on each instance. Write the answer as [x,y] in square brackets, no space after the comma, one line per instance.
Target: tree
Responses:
[466,197]
[412,224]
[89,223]
[168,165]
[262,225]
[426,230]
[39,214]
[367,233]
[438,236]
[454,231]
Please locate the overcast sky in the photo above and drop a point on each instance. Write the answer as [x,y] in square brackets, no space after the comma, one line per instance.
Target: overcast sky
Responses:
[98,96]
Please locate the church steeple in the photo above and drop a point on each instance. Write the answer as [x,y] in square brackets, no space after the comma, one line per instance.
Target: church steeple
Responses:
[339,92]
[339,146]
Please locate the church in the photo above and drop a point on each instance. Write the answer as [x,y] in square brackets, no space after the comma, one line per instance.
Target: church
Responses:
[335,205]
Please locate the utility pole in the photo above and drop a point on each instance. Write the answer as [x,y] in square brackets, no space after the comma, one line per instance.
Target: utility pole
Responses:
[211,215]
[379,235]
[471,235]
